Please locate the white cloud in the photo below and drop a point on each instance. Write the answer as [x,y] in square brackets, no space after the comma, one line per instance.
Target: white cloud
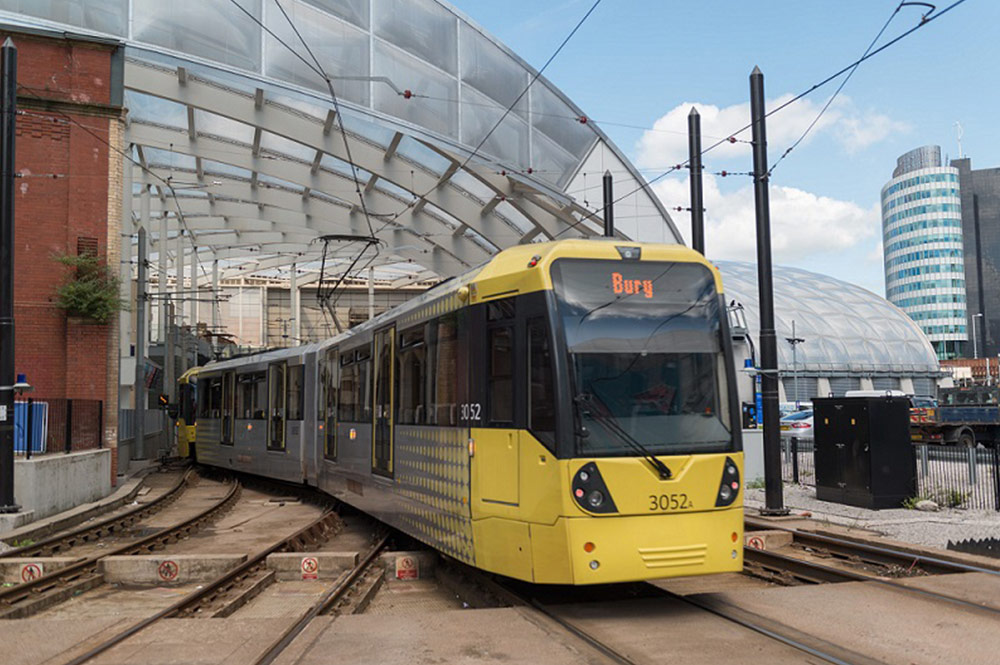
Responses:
[857,132]
[666,143]
[806,228]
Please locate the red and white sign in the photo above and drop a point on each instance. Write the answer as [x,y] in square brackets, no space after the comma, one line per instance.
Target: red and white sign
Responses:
[31,571]
[407,568]
[756,542]
[310,568]
[168,570]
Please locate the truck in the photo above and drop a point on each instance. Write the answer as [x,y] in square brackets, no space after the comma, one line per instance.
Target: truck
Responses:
[963,416]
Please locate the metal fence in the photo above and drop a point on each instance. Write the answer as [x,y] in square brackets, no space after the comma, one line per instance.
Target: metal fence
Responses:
[57,425]
[950,476]
[798,461]
[959,477]
[153,422]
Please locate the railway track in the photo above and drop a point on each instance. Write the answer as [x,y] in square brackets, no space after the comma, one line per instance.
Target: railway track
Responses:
[60,543]
[854,551]
[329,601]
[789,637]
[31,597]
[228,589]
[867,562]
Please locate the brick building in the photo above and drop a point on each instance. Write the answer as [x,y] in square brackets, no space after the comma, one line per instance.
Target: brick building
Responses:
[68,201]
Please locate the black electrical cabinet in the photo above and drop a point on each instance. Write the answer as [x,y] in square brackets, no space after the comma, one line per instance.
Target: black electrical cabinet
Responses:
[864,456]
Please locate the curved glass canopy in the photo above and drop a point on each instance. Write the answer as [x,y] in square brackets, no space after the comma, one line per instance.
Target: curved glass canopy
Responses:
[239,147]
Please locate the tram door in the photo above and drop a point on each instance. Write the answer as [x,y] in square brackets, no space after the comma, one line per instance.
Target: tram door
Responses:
[228,407]
[383,380]
[277,389]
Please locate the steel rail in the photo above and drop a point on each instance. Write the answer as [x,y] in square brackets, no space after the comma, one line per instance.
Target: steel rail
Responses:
[62,541]
[819,648]
[323,604]
[812,572]
[319,528]
[876,554]
[86,570]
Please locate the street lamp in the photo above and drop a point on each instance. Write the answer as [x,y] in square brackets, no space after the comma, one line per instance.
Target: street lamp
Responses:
[975,336]
[795,341]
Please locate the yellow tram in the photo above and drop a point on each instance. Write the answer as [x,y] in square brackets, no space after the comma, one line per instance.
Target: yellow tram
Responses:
[564,414]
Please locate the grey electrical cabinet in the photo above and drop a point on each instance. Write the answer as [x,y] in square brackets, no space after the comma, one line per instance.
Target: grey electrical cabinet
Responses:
[863,452]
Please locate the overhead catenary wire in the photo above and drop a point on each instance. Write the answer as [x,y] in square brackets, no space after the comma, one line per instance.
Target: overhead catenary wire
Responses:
[924,20]
[836,92]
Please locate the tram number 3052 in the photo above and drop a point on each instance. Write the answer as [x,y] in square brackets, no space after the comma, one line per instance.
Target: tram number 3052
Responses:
[669,502]
[471,411]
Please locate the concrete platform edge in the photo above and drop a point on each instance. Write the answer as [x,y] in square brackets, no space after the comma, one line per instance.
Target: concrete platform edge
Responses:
[68,518]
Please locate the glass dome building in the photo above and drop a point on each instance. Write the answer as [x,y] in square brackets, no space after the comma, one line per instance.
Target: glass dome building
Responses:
[923,248]
[852,338]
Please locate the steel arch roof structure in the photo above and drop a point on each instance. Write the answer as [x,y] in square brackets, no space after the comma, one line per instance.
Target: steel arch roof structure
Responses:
[238,154]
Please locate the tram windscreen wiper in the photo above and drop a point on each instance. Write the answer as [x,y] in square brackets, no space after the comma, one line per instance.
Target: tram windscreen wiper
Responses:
[612,426]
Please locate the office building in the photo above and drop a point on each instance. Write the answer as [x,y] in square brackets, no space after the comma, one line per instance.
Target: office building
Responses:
[922,232]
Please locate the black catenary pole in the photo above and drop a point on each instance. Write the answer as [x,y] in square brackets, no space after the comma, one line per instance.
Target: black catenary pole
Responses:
[8,111]
[697,199]
[773,495]
[139,441]
[609,203]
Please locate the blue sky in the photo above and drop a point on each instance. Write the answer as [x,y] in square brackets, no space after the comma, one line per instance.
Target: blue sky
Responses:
[644,63]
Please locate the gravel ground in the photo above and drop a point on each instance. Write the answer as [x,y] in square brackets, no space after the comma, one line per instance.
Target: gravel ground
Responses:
[912,526]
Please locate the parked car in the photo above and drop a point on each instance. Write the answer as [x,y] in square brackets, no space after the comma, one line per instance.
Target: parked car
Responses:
[798,424]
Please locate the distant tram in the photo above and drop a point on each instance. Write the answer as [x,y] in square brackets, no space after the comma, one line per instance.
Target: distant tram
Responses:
[564,414]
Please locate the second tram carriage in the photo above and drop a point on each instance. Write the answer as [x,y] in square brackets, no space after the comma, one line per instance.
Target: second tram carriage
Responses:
[566,413]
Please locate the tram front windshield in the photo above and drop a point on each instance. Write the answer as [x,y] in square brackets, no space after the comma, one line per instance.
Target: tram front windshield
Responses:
[645,351]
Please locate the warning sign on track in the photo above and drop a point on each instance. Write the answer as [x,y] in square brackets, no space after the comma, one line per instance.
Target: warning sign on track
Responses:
[310,568]
[31,571]
[407,568]
[756,542]
[168,571]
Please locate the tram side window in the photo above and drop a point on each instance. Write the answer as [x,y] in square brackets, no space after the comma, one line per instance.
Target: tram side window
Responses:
[296,401]
[203,401]
[501,385]
[252,396]
[411,370]
[355,388]
[442,371]
[215,397]
[541,396]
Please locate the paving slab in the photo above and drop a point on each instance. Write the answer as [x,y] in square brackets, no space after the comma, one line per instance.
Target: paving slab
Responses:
[116,601]
[252,525]
[884,624]
[398,597]
[196,642]
[455,636]
[664,630]
[979,588]
[33,642]
[283,599]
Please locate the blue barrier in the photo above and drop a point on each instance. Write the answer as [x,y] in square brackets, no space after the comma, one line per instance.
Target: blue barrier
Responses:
[39,426]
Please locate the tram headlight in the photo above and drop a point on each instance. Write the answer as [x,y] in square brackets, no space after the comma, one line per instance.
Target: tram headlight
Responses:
[590,492]
[729,485]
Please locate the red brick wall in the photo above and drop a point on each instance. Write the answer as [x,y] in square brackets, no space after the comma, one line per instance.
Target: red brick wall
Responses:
[62,194]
